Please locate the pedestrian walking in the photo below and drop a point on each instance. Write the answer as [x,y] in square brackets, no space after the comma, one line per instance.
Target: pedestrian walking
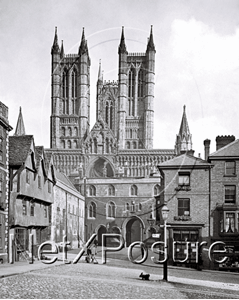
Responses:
[94,252]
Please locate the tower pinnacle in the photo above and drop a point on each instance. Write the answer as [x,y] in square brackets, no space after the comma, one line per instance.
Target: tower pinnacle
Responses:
[83,45]
[55,46]
[100,74]
[62,50]
[122,46]
[150,46]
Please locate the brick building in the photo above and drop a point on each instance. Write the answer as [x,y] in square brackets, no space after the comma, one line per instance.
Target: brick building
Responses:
[224,205]
[5,128]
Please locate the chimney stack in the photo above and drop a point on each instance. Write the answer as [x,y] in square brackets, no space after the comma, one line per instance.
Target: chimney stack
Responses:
[206,148]
[222,141]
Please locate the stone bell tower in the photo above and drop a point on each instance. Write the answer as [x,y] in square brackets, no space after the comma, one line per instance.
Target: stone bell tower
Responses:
[70,96]
[136,96]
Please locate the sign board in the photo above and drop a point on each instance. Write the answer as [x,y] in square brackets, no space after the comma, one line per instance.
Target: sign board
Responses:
[156,235]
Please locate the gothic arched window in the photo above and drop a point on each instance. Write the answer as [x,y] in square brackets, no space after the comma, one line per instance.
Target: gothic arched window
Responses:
[111,116]
[133,190]
[92,190]
[107,112]
[74,84]
[63,131]
[69,131]
[64,85]
[107,145]
[92,210]
[140,83]
[156,190]
[111,209]
[128,145]
[131,89]
[75,131]
[111,190]
[134,145]
[69,144]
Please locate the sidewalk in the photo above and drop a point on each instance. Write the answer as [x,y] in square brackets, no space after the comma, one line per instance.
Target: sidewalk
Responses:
[20,267]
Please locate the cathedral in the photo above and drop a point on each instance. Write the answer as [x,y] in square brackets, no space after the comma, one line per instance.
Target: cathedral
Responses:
[113,164]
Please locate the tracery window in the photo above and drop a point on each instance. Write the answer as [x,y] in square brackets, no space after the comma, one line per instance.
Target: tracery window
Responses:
[140,83]
[131,91]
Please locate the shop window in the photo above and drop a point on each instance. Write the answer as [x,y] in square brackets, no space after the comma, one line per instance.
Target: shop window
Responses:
[184,179]
[230,168]
[229,222]
[92,210]
[230,194]
[183,207]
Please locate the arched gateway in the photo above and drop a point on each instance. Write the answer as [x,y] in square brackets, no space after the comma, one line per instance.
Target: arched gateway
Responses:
[132,230]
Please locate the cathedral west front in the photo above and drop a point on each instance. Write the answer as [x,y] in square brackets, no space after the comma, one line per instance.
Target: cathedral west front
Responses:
[113,164]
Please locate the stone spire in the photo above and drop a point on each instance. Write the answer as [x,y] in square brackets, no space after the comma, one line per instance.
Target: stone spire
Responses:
[55,47]
[62,54]
[150,46]
[83,45]
[122,46]
[184,138]
[20,129]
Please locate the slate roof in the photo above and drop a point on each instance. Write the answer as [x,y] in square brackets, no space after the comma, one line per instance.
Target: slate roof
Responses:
[64,179]
[19,147]
[231,149]
[184,160]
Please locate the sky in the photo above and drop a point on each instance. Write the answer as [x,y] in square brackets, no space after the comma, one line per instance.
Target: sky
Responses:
[197,59]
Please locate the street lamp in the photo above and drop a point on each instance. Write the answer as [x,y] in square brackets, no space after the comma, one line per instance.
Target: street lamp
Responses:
[165,212]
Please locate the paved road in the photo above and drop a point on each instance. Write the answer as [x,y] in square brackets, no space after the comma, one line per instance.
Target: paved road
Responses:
[110,281]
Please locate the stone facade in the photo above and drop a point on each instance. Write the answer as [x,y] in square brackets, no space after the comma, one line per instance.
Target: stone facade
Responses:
[117,154]
[68,211]
[5,128]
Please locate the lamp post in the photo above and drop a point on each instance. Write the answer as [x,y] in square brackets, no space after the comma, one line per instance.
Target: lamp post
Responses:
[165,212]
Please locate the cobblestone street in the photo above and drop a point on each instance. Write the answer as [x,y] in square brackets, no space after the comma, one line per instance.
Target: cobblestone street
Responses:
[87,281]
